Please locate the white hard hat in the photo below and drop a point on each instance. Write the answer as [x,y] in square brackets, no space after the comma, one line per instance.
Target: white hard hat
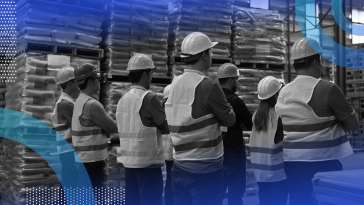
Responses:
[140,62]
[195,43]
[268,87]
[65,74]
[302,49]
[227,70]
[166,91]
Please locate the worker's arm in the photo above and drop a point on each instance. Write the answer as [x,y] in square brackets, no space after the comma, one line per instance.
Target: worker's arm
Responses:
[220,107]
[342,109]
[241,110]
[279,136]
[156,111]
[67,108]
[102,119]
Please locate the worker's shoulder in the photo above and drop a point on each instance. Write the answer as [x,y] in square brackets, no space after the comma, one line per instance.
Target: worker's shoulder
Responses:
[207,84]
[94,103]
[323,88]
[65,103]
[150,96]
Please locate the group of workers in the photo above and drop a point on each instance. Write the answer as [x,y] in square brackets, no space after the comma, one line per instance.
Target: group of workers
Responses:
[297,131]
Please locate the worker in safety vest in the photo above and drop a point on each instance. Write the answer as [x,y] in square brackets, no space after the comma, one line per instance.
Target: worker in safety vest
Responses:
[196,107]
[315,115]
[141,122]
[168,157]
[90,125]
[234,144]
[266,149]
[62,120]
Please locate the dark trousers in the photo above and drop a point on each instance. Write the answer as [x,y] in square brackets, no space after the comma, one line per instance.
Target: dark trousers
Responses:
[299,179]
[168,191]
[235,179]
[143,186]
[197,189]
[95,171]
[273,193]
[67,160]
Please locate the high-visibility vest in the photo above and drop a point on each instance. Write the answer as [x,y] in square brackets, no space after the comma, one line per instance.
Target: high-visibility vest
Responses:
[266,156]
[140,146]
[167,147]
[63,127]
[309,137]
[89,142]
[193,139]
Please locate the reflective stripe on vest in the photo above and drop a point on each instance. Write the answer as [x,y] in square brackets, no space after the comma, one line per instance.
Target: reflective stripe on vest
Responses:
[193,139]
[89,142]
[140,146]
[266,156]
[309,138]
[167,147]
[62,127]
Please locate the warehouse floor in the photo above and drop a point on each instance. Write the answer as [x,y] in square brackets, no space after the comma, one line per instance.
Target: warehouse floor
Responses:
[349,163]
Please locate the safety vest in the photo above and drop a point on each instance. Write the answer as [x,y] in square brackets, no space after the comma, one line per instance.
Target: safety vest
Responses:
[63,127]
[308,137]
[89,142]
[266,156]
[167,147]
[140,146]
[193,139]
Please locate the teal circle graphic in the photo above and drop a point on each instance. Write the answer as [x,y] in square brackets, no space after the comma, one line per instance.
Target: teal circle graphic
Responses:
[13,126]
[309,13]
[343,22]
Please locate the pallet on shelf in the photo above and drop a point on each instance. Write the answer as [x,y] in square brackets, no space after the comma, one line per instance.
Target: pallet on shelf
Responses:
[176,59]
[123,77]
[257,65]
[355,61]
[60,49]
[88,6]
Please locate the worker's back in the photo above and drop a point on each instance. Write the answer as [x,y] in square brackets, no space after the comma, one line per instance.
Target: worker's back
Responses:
[312,120]
[195,107]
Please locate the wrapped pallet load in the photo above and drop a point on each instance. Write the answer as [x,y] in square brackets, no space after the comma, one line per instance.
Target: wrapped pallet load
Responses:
[136,27]
[34,93]
[50,24]
[257,36]
[213,19]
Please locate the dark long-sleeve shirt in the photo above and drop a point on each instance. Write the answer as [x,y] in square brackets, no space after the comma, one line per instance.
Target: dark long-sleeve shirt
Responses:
[234,144]
[99,116]
[279,133]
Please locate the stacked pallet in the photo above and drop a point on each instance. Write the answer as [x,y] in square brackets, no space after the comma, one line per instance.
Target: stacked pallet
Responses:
[136,27]
[34,92]
[24,168]
[257,36]
[355,95]
[75,23]
[213,19]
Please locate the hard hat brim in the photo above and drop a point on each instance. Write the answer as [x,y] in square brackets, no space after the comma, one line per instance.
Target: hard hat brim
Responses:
[300,58]
[228,76]
[87,75]
[186,56]
[155,68]
[62,82]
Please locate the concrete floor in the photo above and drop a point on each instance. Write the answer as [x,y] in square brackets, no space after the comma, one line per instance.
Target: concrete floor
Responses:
[355,161]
